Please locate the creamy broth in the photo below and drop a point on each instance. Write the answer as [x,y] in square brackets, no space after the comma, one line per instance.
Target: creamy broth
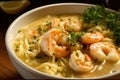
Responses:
[29,38]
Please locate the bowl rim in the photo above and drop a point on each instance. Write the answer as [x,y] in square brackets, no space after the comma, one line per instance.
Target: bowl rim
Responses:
[25,66]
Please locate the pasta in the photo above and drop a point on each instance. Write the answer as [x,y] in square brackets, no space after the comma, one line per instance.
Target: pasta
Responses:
[54,44]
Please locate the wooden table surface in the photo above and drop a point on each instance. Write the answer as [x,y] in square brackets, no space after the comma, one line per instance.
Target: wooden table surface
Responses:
[7,70]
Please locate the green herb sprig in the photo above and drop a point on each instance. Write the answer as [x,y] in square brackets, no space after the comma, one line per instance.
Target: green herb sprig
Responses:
[111,20]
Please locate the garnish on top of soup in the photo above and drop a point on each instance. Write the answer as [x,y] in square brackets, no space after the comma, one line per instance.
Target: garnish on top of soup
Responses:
[72,45]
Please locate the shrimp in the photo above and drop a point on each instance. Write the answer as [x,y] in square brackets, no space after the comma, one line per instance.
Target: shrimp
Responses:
[54,42]
[80,62]
[104,50]
[92,37]
[73,24]
[68,23]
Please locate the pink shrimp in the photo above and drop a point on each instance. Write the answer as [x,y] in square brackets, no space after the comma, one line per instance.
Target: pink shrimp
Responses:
[68,23]
[103,50]
[53,42]
[92,37]
[80,62]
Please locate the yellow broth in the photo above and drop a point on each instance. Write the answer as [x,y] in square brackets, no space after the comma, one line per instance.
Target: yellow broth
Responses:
[99,70]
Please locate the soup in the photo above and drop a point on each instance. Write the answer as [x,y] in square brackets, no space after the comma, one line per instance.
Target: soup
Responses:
[65,45]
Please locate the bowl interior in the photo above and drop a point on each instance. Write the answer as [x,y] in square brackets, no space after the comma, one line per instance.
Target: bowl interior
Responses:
[33,15]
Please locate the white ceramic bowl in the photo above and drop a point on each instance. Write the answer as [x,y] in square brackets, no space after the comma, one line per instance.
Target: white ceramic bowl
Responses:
[30,16]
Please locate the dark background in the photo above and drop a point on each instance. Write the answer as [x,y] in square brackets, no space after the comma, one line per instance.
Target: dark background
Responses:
[7,19]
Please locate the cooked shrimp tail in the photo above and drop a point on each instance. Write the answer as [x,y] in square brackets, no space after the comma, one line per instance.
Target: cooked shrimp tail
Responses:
[80,62]
[92,37]
[54,42]
[104,51]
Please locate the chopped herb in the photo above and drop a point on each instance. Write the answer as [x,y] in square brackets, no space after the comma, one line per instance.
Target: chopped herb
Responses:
[77,54]
[34,37]
[17,46]
[113,23]
[31,42]
[53,53]
[19,31]
[58,65]
[61,19]
[116,35]
[62,35]
[39,30]
[37,40]
[98,15]
[75,36]
[30,49]
[48,24]
[94,14]
[16,49]
[44,30]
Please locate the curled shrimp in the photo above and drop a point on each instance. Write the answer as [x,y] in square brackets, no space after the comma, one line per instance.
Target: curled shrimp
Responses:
[54,42]
[104,50]
[68,23]
[92,37]
[80,62]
